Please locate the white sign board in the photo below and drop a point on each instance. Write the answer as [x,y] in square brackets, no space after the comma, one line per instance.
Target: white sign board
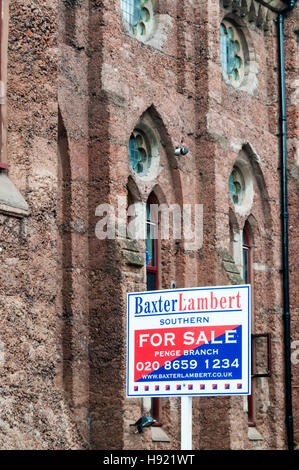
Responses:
[189,342]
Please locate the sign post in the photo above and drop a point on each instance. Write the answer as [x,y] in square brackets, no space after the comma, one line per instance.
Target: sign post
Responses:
[189,342]
[186,423]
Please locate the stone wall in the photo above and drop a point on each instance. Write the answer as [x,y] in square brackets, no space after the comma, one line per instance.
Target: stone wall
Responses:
[34,413]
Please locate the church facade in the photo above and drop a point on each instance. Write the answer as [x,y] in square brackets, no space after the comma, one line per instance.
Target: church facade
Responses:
[113,114]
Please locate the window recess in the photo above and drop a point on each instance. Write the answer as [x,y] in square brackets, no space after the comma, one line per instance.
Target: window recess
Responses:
[261,355]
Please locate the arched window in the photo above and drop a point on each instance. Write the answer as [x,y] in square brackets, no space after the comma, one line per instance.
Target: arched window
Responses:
[151,248]
[231,53]
[246,256]
[152,269]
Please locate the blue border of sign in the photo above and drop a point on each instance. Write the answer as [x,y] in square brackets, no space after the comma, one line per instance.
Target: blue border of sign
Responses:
[242,286]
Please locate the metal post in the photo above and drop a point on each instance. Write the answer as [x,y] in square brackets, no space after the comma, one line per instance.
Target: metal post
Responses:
[186,423]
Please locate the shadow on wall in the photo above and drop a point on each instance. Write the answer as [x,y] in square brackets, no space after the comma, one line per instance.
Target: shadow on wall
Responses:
[64,229]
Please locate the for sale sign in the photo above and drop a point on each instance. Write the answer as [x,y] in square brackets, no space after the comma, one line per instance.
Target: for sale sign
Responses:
[189,342]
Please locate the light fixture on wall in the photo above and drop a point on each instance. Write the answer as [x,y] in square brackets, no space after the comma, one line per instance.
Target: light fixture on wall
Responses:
[181,151]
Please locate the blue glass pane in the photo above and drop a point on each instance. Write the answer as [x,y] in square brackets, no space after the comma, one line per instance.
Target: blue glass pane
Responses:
[150,245]
[246,265]
[231,184]
[133,153]
[229,49]
[148,212]
[223,52]
[222,29]
[131,10]
[235,188]
[230,56]
[230,33]
[238,62]
[236,46]
[151,281]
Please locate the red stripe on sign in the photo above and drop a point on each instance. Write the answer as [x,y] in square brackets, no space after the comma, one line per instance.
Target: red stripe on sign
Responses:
[155,347]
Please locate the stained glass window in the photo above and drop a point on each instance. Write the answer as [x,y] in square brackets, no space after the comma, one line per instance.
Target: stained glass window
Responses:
[231,53]
[236,186]
[139,152]
[131,11]
[138,15]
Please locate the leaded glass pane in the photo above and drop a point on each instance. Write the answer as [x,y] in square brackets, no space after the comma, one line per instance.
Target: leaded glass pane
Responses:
[230,56]
[150,254]
[234,188]
[138,15]
[148,212]
[238,62]
[246,264]
[141,28]
[236,185]
[150,243]
[230,51]
[139,152]
[223,48]
[145,14]
[133,152]
[131,11]
[231,184]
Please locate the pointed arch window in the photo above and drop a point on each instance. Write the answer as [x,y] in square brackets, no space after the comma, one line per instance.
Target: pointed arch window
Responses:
[246,250]
[151,248]
[231,53]
[260,343]
[152,269]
